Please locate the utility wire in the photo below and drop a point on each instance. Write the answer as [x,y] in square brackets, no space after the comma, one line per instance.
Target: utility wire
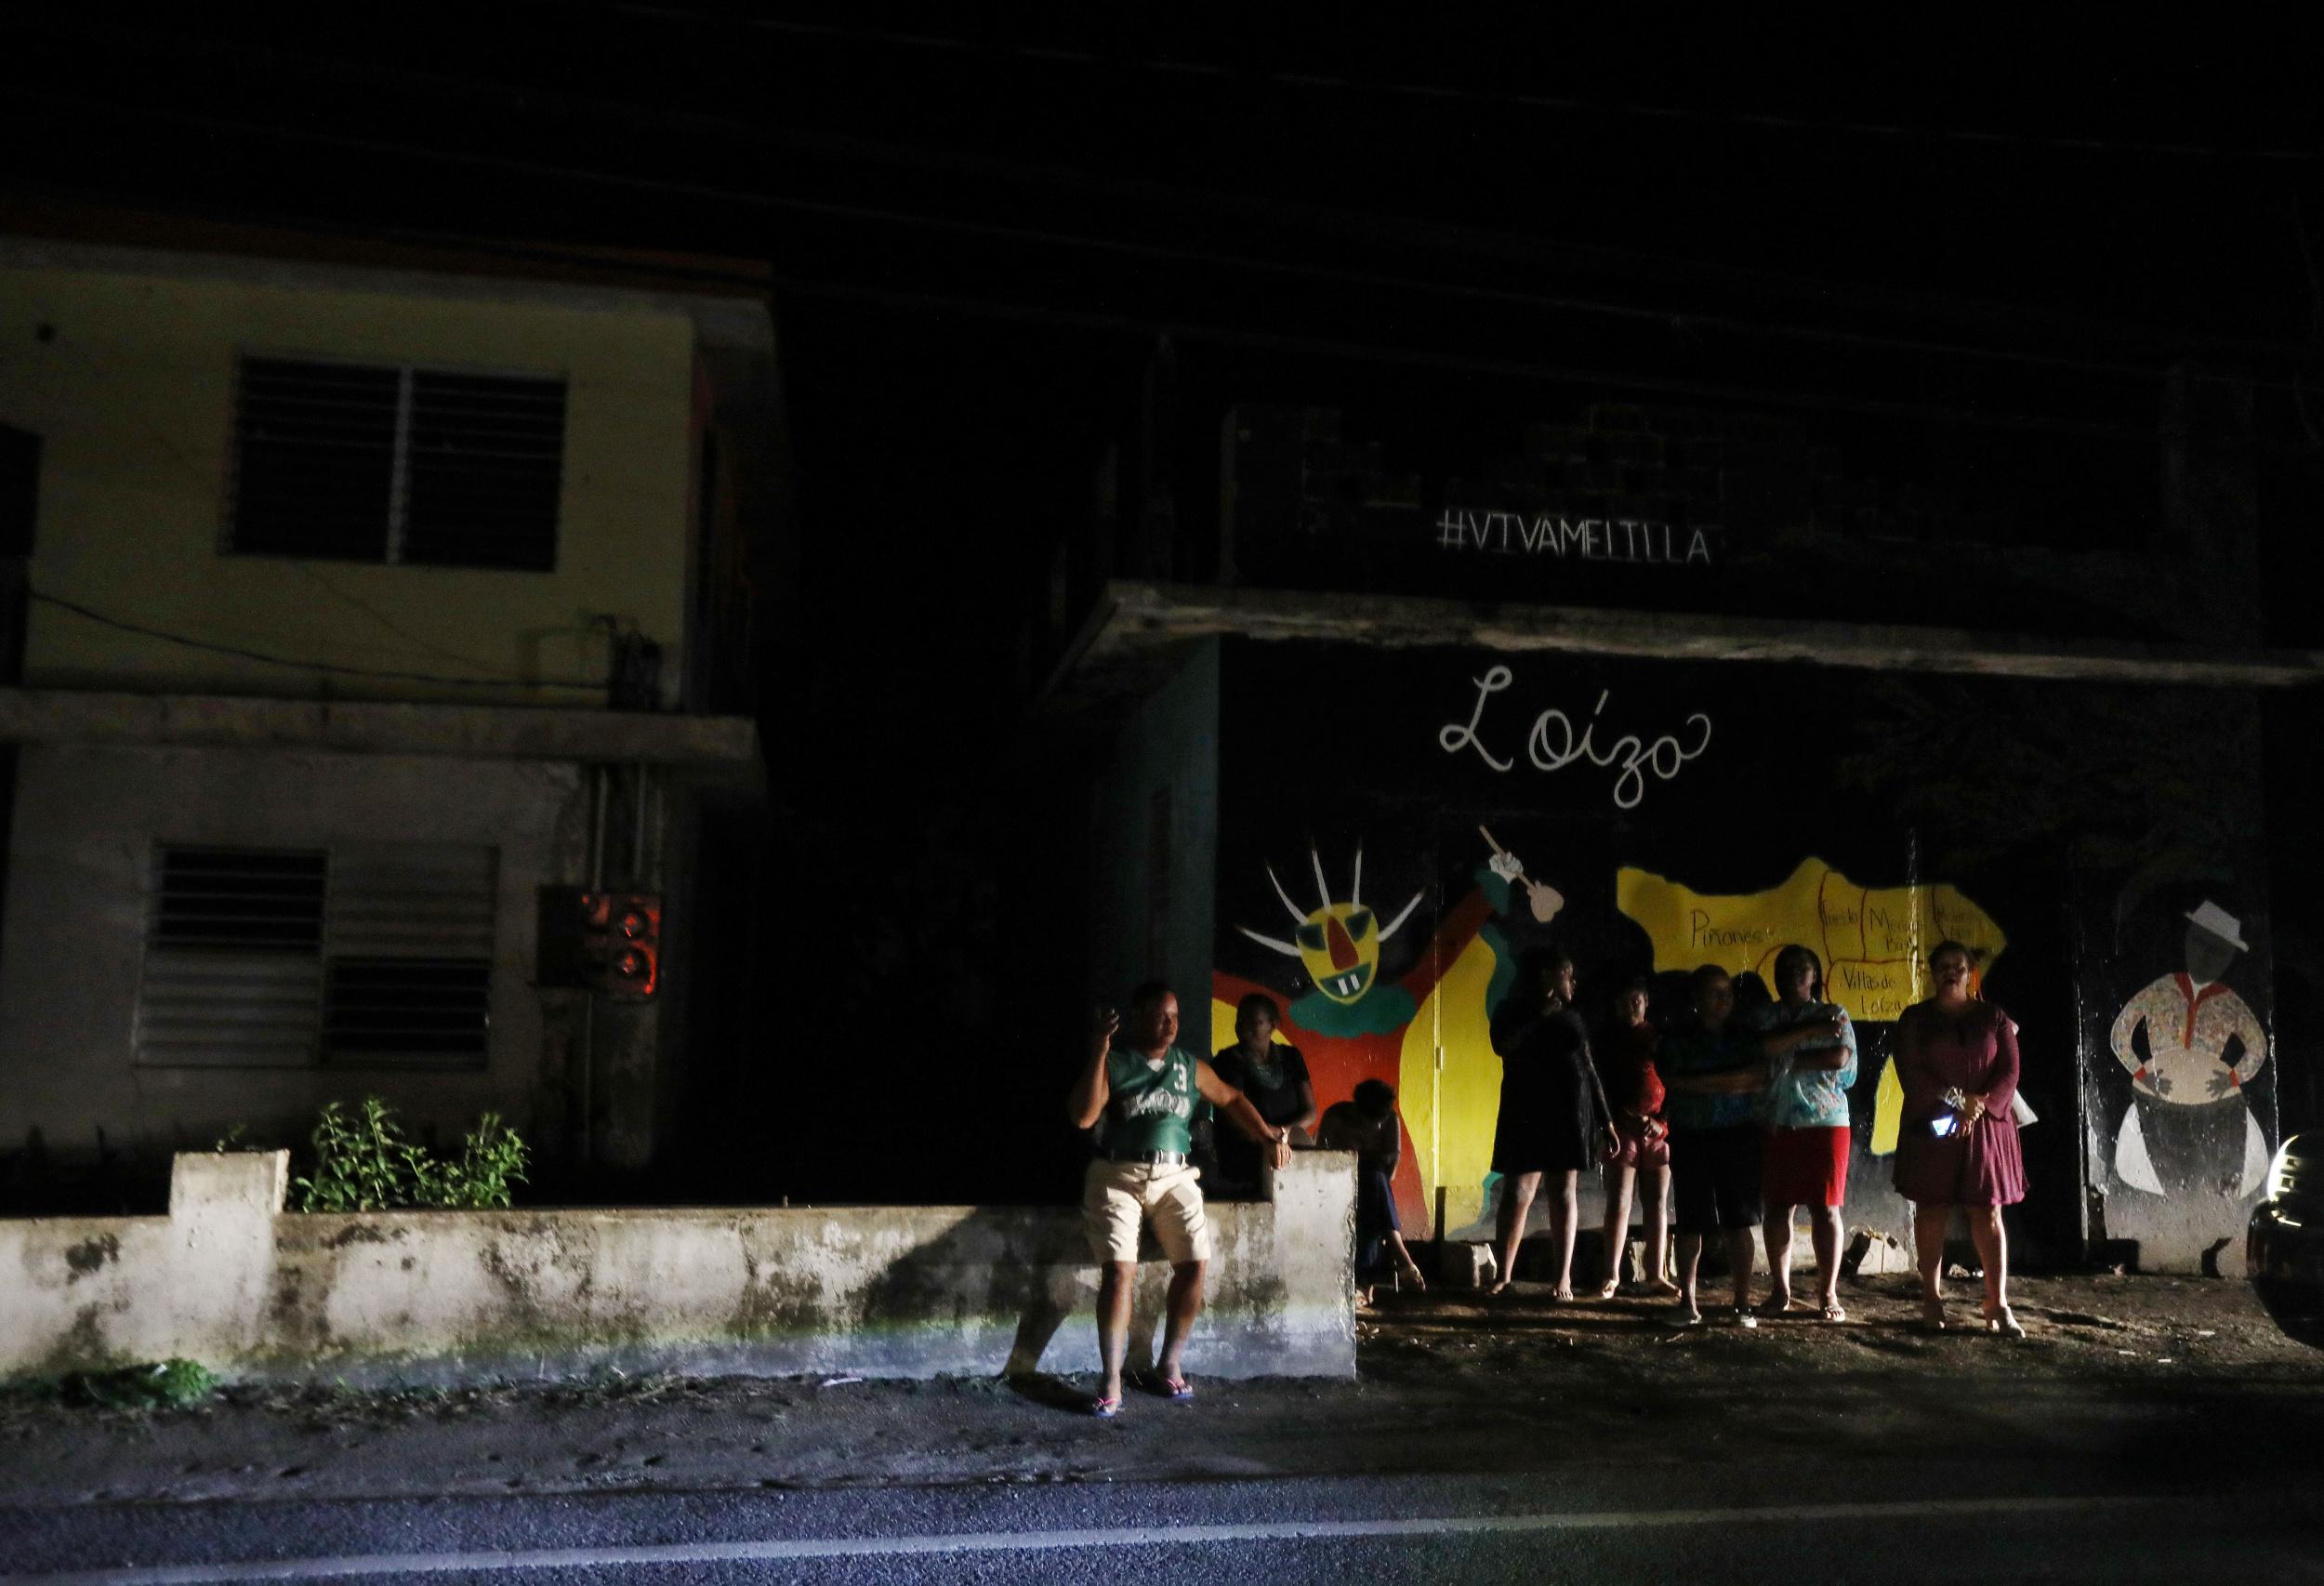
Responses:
[127,626]
[1566,103]
[499,95]
[1676,318]
[1465,363]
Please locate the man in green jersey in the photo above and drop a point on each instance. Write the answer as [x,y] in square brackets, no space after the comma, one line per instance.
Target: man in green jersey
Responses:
[1145,1087]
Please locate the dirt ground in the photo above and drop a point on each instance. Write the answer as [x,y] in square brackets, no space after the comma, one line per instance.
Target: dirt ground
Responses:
[1448,1381]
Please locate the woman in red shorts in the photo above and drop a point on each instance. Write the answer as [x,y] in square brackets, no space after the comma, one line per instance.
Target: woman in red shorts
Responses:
[1811,1051]
[1634,1096]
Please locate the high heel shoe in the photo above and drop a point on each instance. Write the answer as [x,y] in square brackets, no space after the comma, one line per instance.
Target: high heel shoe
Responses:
[2000,1320]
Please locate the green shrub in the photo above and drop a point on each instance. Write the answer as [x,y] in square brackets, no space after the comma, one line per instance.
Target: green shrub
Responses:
[163,1385]
[365,1163]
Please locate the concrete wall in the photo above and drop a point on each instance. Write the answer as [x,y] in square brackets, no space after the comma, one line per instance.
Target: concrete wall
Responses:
[85,824]
[1152,908]
[892,1291]
[123,363]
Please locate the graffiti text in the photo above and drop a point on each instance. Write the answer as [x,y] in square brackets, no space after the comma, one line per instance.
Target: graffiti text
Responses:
[1645,541]
[1553,744]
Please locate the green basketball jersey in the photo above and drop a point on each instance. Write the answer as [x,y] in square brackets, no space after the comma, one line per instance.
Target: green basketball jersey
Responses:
[1150,1107]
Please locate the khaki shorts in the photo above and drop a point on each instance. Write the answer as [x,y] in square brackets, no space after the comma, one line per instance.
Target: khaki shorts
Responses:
[1117,1196]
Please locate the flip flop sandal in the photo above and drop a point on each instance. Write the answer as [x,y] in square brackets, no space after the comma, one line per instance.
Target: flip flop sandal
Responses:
[1180,1390]
[1835,1313]
[1106,1408]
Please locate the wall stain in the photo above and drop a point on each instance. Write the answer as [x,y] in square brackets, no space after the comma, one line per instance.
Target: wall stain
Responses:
[89,1255]
[361,1233]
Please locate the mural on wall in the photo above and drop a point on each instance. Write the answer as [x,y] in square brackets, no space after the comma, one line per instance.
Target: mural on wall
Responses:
[1671,802]
[1355,1024]
[1872,942]
[2191,1045]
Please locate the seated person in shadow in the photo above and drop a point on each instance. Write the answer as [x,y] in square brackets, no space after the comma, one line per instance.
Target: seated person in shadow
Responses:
[1368,1126]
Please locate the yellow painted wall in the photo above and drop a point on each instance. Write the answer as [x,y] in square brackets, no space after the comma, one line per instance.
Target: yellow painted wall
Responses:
[131,389]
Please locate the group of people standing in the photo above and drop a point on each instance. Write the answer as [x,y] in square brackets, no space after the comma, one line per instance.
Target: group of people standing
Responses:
[1722,1124]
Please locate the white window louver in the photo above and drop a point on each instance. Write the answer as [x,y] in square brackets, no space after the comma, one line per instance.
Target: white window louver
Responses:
[233,968]
[426,466]
[409,948]
[366,955]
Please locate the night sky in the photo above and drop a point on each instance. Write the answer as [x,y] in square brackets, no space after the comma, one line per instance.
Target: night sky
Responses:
[980,231]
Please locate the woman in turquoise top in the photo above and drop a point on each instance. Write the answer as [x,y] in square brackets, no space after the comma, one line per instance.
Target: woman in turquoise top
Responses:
[1811,1052]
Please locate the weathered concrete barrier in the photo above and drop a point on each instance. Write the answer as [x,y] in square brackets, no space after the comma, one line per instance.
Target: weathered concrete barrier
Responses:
[232,1280]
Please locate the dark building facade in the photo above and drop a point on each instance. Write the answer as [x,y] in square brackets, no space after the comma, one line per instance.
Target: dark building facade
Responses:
[1666,683]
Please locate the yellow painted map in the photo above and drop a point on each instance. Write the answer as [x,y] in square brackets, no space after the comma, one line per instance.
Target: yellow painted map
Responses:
[1874,942]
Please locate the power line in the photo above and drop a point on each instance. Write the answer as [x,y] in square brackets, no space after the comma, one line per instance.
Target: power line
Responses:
[499,93]
[191,643]
[1464,362]
[1564,103]
[1676,318]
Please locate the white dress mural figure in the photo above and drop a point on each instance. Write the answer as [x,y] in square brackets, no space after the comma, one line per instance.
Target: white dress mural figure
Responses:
[2203,1045]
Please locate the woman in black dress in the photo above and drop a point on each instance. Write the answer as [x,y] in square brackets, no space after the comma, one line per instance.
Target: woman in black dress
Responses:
[1274,1076]
[1547,1122]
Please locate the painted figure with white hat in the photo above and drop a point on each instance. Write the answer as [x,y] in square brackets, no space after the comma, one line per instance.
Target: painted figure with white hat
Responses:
[2189,1127]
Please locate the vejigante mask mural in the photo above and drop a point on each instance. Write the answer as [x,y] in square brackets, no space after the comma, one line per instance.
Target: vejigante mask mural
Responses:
[1365,1016]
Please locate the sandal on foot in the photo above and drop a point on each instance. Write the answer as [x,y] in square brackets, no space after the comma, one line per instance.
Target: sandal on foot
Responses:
[1177,1389]
[1932,1315]
[1775,1305]
[1609,1289]
[1834,1311]
[2003,1321]
[1685,1315]
[1106,1408]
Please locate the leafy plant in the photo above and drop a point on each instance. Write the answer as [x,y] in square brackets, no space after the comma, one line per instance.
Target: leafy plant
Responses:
[365,1163]
[161,1384]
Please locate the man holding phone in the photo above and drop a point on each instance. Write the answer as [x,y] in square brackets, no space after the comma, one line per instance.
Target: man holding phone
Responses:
[1144,1086]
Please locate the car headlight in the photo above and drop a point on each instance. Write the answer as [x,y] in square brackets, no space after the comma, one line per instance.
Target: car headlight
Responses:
[2283,1171]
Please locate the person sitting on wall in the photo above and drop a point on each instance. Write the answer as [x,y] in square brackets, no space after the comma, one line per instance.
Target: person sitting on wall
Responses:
[1145,1090]
[1367,1127]
[1713,1075]
[1811,1051]
[1273,1077]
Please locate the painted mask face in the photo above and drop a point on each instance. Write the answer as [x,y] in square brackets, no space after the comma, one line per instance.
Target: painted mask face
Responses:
[1339,946]
[1337,943]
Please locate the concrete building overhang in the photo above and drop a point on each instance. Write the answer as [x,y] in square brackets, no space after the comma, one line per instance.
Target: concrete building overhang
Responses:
[717,753]
[1136,630]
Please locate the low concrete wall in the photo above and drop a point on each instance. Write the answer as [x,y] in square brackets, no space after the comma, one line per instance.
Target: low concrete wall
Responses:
[229,1280]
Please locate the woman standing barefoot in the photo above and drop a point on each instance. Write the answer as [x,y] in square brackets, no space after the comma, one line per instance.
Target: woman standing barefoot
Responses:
[1957,1056]
[1546,1115]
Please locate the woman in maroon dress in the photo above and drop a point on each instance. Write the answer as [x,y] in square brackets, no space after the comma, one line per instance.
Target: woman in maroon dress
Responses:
[1957,1057]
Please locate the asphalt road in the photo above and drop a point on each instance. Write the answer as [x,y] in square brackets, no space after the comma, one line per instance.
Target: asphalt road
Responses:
[1806,1519]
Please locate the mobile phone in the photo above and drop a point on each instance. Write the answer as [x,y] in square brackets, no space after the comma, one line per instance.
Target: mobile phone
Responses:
[1942,1126]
